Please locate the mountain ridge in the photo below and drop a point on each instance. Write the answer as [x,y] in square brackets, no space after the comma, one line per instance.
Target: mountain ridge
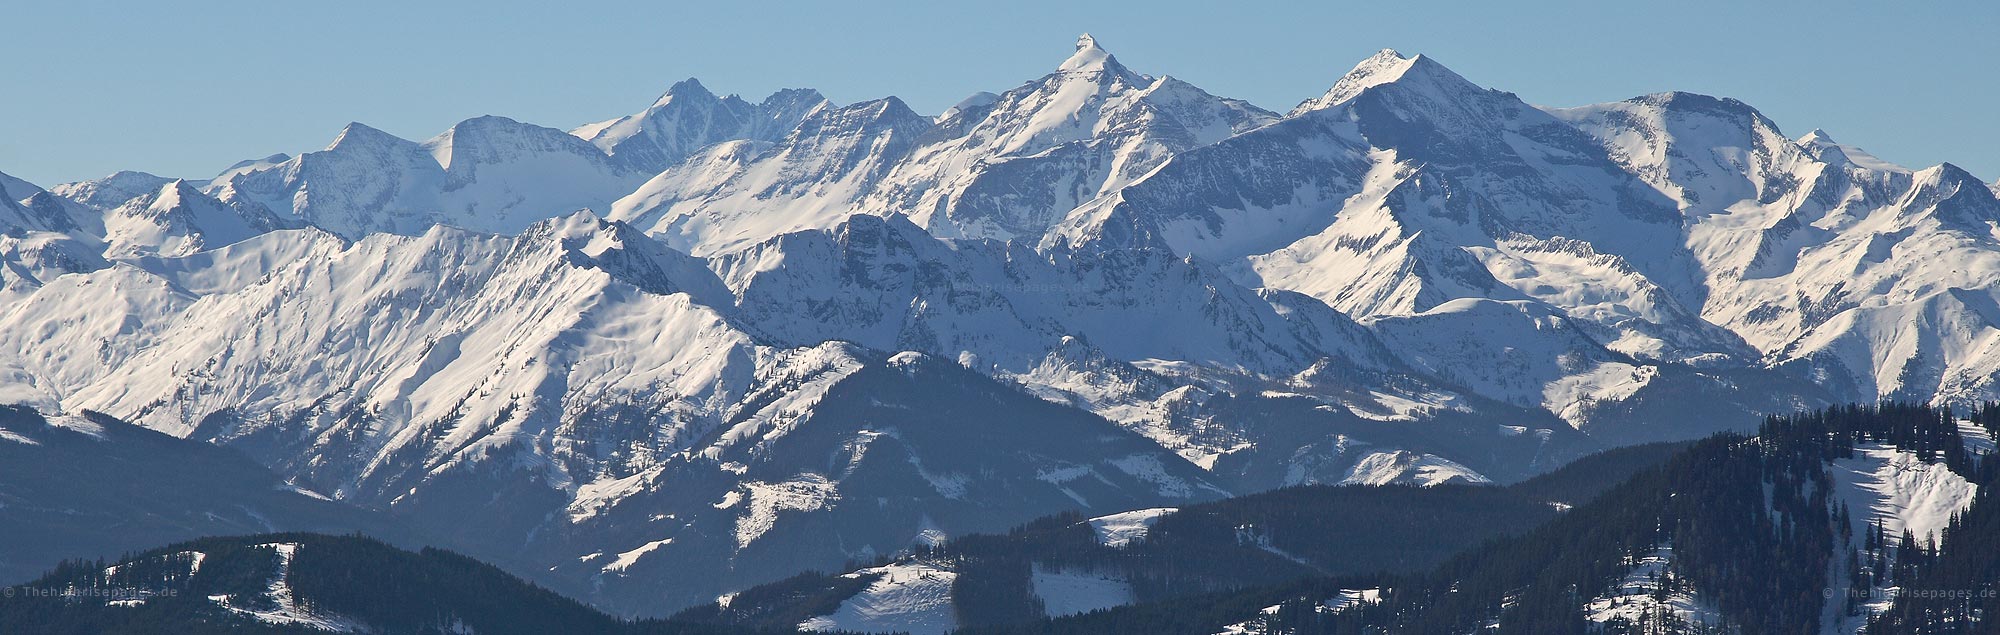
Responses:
[1410,279]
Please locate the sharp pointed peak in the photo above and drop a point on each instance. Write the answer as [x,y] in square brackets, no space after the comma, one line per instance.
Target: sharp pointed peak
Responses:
[1388,66]
[357,132]
[356,127]
[689,88]
[1821,145]
[1948,173]
[1089,57]
[173,194]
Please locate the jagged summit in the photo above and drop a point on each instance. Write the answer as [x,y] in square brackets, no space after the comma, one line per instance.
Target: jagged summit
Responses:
[1088,57]
[785,96]
[689,117]
[1091,58]
[690,87]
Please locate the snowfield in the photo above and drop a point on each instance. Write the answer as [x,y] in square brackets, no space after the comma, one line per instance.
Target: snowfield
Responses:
[1896,488]
[1638,597]
[1066,593]
[910,598]
[1119,530]
[1893,486]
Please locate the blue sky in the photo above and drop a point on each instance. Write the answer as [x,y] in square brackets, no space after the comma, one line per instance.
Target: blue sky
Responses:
[184,89]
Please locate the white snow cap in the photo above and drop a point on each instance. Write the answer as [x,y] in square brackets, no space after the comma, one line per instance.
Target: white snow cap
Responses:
[1383,67]
[1388,67]
[1837,153]
[1089,57]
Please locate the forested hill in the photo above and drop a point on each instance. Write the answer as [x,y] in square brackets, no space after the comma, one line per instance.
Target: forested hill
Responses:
[1068,563]
[1854,519]
[302,583]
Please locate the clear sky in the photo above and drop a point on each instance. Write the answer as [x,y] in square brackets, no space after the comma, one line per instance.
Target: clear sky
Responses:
[186,88]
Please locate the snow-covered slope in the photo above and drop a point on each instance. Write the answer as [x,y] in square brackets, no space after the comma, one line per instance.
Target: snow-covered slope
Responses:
[1006,166]
[178,220]
[487,173]
[1140,337]
[43,236]
[1893,490]
[597,375]
[689,117]
[905,598]
[1120,529]
[1407,186]
[502,175]
[1013,166]
[110,191]
[746,191]
[1652,593]
[1865,275]
[364,181]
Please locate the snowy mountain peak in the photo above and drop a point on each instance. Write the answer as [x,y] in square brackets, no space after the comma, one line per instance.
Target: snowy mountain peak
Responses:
[1389,67]
[1090,58]
[357,134]
[792,99]
[1822,146]
[868,118]
[1382,67]
[493,139]
[178,220]
[1954,195]
[1686,104]
[688,117]
[110,191]
[686,88]
[1947,175]
[171,195]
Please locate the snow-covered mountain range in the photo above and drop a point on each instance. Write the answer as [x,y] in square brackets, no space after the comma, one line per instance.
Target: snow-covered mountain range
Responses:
[656,342]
